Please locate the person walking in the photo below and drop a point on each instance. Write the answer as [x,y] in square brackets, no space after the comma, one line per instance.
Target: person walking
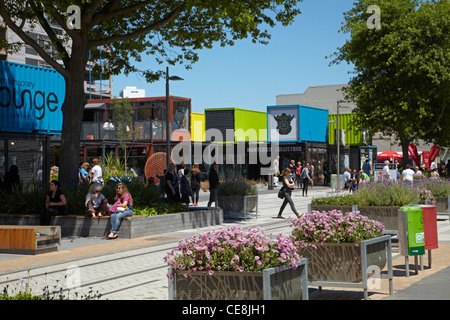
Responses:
[213,184]
[123,207]
[288,186]
[196,178]
[305,179]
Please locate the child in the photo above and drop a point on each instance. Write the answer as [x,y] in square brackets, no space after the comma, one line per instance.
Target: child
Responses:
[353,186]
[185,188]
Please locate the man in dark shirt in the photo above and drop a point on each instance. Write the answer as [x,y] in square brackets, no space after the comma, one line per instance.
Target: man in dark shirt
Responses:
[213,184]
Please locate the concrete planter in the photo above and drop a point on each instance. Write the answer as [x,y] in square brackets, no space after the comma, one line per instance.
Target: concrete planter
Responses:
[131,227]
[281,283]
[238,204]
[349,264]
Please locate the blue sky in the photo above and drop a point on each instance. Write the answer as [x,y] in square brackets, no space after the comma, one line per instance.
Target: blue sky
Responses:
[250,76]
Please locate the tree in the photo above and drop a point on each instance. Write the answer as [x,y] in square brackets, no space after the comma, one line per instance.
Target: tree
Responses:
[402,69]
[130,28]
[123,122]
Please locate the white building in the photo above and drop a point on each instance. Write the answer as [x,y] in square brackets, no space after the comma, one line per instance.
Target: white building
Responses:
[132,92]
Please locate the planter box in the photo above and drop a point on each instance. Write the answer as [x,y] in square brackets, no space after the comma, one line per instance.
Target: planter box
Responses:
[238,204]
[281,283]
[131,227]
[386,215]
[443,205]
[349,264]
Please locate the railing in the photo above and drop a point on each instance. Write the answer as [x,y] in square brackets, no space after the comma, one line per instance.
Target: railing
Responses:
[143,130]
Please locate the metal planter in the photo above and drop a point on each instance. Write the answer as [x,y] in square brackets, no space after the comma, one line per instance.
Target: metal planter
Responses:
[280,283]
[238,204]
[349,264]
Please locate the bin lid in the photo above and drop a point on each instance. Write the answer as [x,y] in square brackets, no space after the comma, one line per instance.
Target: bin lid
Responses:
[427,206]
[410,208]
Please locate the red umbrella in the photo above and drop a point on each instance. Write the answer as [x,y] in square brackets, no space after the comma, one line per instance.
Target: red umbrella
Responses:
[389,154]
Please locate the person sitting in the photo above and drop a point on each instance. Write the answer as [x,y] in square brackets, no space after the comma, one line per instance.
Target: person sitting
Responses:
[354,186]
[123,207]
[96,203]
[55,204]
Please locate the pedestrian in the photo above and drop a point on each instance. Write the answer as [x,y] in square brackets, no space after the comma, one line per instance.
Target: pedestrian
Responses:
[96,174]
[288,186]
[96,203]
[180,171]
[326,174]
[213,184]
[408,175]
[298,171]
[292,168]
[311,175]
[386,174]
[172,189]
[185,187]
[12,179]
[196,179]
[366,168]
[305,179]
[83,173]
[347,178]
[55,204]
[123,207]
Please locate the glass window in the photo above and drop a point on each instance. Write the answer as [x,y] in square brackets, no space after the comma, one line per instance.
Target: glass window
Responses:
[28,156]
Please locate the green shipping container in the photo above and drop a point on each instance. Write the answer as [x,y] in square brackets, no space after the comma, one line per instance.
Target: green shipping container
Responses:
[353,137]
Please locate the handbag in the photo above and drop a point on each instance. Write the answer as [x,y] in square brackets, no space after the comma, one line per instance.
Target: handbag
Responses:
[120,209]
[281,193]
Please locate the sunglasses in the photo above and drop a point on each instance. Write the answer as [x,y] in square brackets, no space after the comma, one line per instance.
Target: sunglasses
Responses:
[98,191]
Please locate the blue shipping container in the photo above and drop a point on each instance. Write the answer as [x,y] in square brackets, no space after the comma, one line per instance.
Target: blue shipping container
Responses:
[297,123]
[31,99]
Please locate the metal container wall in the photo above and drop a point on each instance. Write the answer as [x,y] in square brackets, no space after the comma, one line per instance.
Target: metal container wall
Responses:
[31,98]
[352,137]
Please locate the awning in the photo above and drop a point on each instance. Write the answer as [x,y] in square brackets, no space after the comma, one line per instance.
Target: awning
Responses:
[95,106]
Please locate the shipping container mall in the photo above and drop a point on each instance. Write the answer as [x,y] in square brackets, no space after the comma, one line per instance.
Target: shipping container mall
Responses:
[30,113]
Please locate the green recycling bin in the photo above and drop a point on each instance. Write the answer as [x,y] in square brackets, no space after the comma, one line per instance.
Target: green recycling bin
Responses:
[411,231]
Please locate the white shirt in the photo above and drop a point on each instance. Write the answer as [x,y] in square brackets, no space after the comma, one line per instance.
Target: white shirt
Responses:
[96,200]
[386,171]
[97,173]
[407,172]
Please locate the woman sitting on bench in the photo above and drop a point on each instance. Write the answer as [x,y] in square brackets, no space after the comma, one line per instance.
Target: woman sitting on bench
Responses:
[96,203]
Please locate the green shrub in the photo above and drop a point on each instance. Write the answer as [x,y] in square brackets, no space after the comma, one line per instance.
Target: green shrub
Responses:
[240,187]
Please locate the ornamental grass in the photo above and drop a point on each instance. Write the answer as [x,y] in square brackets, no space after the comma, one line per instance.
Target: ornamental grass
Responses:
[232,249]
[334,227]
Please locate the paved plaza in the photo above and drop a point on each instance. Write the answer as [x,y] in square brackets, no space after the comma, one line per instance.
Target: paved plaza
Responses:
[133,269]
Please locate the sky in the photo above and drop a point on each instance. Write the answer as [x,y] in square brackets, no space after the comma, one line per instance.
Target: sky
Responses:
[250,76]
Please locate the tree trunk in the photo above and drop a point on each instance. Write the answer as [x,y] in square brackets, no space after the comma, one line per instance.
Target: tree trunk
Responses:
[405,144]
[73,109]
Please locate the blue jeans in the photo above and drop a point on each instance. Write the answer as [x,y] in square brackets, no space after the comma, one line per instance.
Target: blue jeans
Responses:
[116,219]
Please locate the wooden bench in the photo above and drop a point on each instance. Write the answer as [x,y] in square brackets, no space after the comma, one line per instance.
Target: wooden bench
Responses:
[29,239]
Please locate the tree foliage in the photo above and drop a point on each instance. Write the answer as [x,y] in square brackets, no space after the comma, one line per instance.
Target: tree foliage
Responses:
[170,31]
[402,70]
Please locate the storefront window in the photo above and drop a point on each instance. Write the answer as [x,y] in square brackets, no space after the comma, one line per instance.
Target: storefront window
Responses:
[28,156]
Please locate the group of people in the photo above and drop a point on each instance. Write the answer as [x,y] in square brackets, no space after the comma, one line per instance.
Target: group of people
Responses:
[93,175]
[301,175]
[184,184]
[352,179]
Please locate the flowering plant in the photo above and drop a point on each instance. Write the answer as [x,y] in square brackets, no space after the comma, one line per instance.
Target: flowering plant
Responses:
[335,227]
[232,249]
[426,195]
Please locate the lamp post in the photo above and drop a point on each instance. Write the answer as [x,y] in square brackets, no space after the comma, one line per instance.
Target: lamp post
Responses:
[338,142]
[173,78]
